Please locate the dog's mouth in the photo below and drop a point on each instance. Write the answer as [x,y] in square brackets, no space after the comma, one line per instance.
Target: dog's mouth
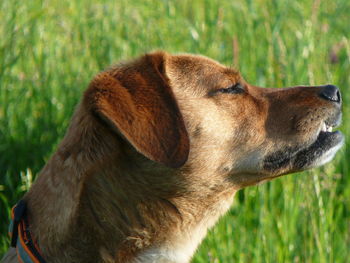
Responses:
[319,152]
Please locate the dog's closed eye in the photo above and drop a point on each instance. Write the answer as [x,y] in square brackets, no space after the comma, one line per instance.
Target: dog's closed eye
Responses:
[234,89]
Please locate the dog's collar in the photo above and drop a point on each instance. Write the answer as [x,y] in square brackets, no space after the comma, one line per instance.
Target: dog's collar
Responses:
[26,248]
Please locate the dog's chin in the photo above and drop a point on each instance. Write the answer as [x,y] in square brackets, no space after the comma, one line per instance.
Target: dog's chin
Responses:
[319,152]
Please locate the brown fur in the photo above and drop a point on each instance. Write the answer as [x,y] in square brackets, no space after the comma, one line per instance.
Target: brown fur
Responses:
[154,155]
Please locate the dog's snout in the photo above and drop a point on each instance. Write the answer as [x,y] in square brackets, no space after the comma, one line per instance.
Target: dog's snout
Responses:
[330,92]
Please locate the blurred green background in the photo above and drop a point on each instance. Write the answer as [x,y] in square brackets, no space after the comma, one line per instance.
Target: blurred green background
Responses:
[50,50]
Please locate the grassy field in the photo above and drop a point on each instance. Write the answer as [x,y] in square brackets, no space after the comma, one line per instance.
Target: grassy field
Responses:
[50,50]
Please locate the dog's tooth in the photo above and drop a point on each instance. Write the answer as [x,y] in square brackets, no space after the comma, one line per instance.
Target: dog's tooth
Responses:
[324,127]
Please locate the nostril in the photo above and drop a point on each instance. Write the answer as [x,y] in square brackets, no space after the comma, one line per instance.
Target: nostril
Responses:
[331,92]
[339,96]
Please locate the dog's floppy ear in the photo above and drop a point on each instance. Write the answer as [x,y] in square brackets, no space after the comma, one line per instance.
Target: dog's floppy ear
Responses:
[137,100]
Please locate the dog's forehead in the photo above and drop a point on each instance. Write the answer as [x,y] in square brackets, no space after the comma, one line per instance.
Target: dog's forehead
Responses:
[201,65]
[198,74]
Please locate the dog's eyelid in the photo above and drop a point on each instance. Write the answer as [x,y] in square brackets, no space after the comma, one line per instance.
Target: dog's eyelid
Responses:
[236,88]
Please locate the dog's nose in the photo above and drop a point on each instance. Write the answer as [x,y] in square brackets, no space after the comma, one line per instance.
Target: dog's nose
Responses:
[331,92]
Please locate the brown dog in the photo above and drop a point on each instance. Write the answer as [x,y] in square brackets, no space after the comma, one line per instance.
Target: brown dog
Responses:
[156,151]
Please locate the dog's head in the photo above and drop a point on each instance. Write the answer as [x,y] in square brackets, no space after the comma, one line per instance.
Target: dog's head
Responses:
[190,111]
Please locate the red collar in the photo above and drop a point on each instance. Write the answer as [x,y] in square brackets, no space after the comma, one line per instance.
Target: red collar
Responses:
[26,248]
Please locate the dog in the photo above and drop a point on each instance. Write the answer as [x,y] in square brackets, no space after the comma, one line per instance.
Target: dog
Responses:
[155,152]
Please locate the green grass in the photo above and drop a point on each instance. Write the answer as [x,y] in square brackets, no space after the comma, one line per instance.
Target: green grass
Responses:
[50,50]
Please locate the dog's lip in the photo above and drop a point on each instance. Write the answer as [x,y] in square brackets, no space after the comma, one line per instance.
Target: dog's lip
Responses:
[324,135]
[325,132]
[325,142]
[326,129]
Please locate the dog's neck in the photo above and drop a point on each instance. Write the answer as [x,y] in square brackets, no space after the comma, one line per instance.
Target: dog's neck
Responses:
[97,205]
